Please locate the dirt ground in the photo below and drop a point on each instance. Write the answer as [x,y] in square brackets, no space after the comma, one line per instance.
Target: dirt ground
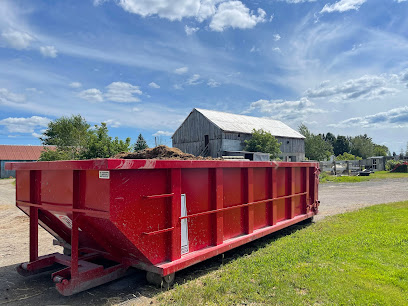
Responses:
[39,289]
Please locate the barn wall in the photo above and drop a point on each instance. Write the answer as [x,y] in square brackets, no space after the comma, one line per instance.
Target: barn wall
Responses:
[190,139]
[190,136]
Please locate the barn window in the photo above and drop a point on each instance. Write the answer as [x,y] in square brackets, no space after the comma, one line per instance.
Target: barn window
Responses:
[239,135]
[287,142]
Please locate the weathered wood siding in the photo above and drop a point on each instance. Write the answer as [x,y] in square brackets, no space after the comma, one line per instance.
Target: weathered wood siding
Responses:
[190,136]
[291,145]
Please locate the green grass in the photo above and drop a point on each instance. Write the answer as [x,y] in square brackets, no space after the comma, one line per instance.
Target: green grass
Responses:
[358,258]
[379,175]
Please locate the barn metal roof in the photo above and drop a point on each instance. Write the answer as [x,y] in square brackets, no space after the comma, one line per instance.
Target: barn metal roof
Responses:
[246,124]
[20,152]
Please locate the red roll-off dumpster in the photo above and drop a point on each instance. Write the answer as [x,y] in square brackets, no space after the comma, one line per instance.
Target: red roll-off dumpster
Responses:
[156,215]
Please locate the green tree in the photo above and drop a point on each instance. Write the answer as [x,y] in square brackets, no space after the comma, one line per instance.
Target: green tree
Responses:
[330,138]
[140,144]
[69,134]
[380,150]
[52,155]
[101,145]
[316,148]
[341,145]
[262,141]
[362,146]
[347,156]
[74,139]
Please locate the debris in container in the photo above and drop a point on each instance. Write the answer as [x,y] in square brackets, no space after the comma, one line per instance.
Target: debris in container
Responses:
[161,152]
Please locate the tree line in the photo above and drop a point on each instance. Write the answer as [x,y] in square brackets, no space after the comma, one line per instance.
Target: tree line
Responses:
[322,146]
[75,139]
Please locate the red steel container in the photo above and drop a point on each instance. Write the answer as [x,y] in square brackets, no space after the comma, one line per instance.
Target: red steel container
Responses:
[156,215]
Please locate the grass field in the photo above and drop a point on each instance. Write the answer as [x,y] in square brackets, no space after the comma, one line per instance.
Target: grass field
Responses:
[379,175]
[358,258]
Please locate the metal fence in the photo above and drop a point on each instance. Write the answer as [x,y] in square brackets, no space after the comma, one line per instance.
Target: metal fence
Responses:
[343,167]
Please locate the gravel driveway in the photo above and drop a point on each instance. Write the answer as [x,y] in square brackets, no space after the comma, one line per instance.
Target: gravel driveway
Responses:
[336,198]
[39,289]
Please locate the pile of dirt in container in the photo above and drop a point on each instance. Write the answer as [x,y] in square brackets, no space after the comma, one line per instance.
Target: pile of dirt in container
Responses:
[161,152]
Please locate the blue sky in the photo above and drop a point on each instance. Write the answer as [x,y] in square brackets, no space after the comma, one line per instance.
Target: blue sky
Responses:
[141,66]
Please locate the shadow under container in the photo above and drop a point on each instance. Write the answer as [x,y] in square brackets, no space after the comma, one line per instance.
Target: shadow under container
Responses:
[160,216]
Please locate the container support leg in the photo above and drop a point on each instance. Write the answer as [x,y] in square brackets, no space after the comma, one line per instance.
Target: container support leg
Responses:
[74,246]
[33,233]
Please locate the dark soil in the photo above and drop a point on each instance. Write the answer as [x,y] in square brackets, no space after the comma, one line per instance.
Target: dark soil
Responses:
[161,152]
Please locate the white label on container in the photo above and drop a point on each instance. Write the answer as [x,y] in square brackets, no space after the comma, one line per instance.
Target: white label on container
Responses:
[104,175]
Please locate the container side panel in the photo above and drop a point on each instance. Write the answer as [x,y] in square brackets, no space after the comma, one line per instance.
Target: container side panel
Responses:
[261,186]
[97,191]
[281,186]
[196,186]
[233,195]
[23,185]
[298,189]
[139,217]
[56,187]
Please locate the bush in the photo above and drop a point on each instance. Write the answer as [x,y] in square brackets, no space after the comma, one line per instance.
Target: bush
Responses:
[401,168]
[390,164]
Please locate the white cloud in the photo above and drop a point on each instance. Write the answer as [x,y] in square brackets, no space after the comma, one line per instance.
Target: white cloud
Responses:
[276,37]
[366,87]
[285,110]
[298,1]
[8,97]
[227,14]
[190,30]
[194,80]
[91,95]
[49,51]
[17,39]
[396,118]
[235,14]
[154,85]
[99,2]
[253,49]
[34,90]
[278,50]
[122,92]
[36,135]
[172,10]
[112,123]
[24,125]
[181,70]
[75,85]
[213,83]
[163,133]
[343,6]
